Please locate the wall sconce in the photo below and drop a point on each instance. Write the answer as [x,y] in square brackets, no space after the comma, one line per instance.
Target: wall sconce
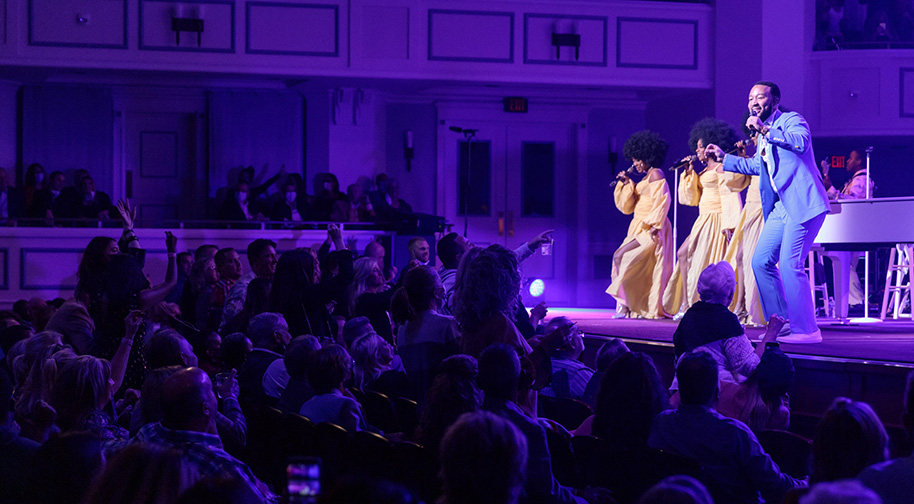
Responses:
[560,40]
[181,24]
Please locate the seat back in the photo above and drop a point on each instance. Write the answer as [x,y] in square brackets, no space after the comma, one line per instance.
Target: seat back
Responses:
[379,411]
[791,452]
[568,412]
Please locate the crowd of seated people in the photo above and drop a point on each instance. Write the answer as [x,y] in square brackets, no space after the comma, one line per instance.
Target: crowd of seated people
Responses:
[366,200]
[864,24]
[47,199]
[142,395]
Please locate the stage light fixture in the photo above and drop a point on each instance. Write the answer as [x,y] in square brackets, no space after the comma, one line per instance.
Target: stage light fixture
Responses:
[537,287]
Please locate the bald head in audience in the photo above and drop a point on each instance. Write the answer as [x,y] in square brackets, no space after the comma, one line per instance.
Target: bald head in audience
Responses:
[188,402]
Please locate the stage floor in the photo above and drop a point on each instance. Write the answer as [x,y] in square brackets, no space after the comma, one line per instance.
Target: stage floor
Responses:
[889,342]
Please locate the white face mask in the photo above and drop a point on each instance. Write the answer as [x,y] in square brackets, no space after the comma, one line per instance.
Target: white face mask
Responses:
[290,197]
[90,196]
[241,197]
[39,177]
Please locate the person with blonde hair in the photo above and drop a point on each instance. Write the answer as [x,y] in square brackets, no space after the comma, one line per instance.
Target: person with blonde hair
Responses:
[372,357]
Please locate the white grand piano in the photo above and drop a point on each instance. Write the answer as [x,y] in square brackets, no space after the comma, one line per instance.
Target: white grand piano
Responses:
[858,225]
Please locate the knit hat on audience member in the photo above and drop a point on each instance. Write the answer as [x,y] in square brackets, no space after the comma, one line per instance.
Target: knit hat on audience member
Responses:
[717,283]
[775,374]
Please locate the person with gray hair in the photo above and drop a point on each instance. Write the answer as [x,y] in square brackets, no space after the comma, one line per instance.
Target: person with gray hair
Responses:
[709,324]
[269,333]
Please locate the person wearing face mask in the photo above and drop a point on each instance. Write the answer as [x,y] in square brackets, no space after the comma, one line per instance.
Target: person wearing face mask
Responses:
[34,186]
[237,205]
[288,207]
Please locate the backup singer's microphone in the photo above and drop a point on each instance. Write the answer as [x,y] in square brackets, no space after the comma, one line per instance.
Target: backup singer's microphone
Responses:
[682,162]
[628,171]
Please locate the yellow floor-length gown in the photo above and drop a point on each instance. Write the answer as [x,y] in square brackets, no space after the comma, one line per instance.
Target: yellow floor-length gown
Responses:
[746,301]
[640,275]
[719,205]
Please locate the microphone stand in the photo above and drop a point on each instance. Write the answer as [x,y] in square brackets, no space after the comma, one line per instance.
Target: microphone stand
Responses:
[866,258]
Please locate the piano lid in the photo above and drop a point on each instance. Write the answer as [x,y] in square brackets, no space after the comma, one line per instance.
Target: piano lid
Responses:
[874,221]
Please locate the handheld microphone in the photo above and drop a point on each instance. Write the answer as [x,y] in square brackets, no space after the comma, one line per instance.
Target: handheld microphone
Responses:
[628,171]
[753,132]
[682,162]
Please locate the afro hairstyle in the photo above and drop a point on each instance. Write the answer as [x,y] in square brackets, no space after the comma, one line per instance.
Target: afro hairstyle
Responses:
[712,131]
[646,146]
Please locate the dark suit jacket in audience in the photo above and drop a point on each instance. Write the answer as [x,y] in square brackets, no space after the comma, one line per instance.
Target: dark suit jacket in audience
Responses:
[250,377]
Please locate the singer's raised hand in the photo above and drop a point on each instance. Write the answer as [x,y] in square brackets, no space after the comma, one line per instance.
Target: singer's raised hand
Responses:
[756,124]
[714,152]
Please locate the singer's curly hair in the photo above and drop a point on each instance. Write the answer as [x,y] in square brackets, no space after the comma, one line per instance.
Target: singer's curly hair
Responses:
[646,146]
[712,131]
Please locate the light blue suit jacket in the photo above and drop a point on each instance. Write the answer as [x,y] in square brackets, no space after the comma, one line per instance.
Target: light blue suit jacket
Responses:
[792,166]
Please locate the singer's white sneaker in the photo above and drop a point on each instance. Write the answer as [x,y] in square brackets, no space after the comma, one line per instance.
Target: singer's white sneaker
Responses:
[815,337]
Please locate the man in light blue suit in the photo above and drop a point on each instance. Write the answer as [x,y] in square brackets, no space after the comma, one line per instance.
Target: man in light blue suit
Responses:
[794,203]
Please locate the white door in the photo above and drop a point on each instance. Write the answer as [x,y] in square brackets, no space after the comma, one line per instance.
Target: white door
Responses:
[162,177]
[518,186]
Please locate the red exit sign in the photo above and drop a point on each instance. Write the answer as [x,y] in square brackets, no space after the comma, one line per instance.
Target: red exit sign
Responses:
[515,104]
[838,162]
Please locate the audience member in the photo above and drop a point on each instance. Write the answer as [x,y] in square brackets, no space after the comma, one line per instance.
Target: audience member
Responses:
[842,492]
[11,204]
[16,452]
[710,325]
[47,203]
[848,439]
[295,362]
[487,286]
[64,467]
[262,258]
[679,489]
[453,392]
[168,348]
[198,302]
[606,354]
[302,295]
[81,394]
[355,328]
[220,490]
[235,350]
[185,261]
[369,295]
[188,425]
[270,335]
[92,204]
[761,402]
[355,208]
[631,396]
[327,193]
[371,358]
[34,185]
[499,375]
[732,459]
[328,370]
[256,301]
[450,249]
[569,375]
[290,205]
[142,474]
[73,322]
[893,480]
[483,459]
[425,338]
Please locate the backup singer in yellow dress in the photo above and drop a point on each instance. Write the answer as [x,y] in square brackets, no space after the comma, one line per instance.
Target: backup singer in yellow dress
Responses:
[747,304]
[643,263]
[719,205]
